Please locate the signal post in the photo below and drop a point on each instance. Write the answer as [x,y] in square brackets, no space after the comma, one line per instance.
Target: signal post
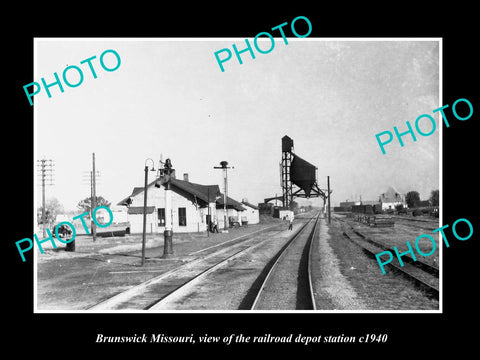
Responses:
[168,233]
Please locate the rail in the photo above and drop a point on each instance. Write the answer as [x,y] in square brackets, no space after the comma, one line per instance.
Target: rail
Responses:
[290,260]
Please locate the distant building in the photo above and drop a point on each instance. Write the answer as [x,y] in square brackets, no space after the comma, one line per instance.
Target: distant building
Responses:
[369,202]
[347,204]
[391,198]
[119,214]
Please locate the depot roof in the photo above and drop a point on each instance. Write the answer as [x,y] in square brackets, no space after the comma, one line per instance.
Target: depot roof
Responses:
[204,193]
[230,203]
[250,205]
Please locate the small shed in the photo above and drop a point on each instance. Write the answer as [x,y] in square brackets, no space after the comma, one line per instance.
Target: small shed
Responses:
[285,214]
[251,213]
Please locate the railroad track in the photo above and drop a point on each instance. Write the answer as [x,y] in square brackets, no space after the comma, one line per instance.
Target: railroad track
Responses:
[422,275]
[417,223]
[157,293]
[288,283]
[183,293]
[419,264]
[148,294]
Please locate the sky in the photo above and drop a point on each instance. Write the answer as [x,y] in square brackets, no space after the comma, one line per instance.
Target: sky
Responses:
[169,98]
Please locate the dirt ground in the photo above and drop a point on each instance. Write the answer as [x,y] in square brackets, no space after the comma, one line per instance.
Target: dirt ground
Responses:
[375,290]
[97,270]
[73,281]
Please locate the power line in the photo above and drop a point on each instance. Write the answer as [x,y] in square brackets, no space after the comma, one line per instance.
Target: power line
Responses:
[87,178]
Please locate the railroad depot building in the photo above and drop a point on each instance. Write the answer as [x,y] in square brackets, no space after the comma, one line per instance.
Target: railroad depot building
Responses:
[190,207]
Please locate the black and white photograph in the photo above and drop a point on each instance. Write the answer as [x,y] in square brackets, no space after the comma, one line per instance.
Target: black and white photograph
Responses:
[239,166]
[228,183]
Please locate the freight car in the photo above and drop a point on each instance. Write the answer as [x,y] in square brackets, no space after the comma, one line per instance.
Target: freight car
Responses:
[342,209]
[372,215]
[265,208]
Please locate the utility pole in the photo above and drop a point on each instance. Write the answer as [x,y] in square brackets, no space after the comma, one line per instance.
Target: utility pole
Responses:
[94,199]
[90,180]
[46,166]
[145,189]
[209,217]
[328,192]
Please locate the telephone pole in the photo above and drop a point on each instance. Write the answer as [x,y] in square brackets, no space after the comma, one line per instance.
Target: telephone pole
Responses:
[46,169]
[94,198]
[89,181]
[329,193]
[145,189]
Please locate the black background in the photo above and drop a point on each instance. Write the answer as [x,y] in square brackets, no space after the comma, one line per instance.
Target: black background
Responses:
[60,335]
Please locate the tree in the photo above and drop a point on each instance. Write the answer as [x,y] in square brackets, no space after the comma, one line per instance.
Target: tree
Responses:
[434,197]
[52,209]
[85,205]
[293,205]
[412,199]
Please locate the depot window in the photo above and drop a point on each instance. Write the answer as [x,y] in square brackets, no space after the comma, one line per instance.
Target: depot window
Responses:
[182,217]
[161,217]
